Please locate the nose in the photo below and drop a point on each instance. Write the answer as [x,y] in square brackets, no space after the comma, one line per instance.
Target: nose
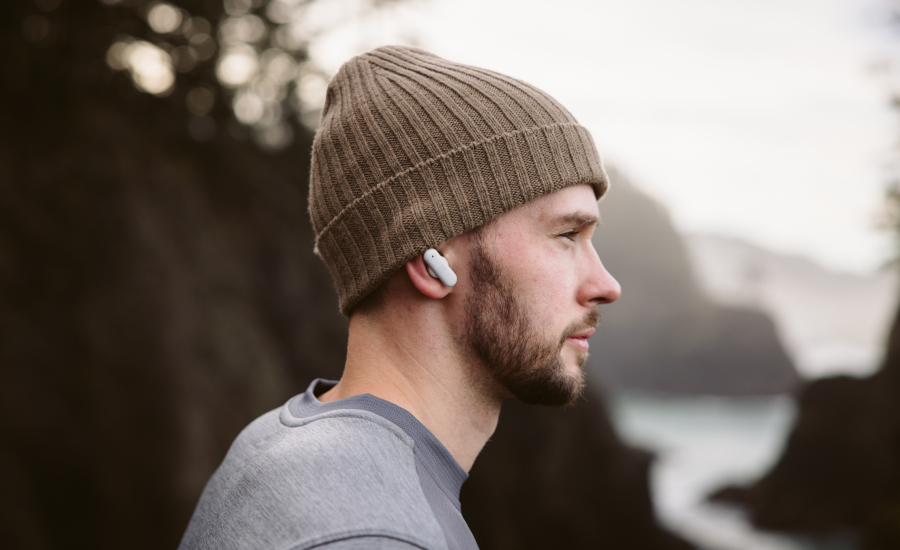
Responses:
[600,287]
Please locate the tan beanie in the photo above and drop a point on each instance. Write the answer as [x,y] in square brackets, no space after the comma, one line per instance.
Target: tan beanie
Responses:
[413,150]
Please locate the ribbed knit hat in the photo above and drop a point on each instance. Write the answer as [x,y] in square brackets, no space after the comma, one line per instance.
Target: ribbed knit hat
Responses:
[413,150]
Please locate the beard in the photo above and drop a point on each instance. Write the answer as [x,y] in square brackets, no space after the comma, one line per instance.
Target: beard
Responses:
[500,331]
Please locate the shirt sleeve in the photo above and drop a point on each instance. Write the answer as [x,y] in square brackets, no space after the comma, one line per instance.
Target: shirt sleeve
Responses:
[369,543]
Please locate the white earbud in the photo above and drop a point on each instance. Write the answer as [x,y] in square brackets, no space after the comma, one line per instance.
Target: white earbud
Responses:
[439,268]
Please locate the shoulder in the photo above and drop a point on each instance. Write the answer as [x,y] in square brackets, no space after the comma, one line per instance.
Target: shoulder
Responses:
[304,482]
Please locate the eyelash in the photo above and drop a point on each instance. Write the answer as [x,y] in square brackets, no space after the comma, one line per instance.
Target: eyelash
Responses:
[569,235]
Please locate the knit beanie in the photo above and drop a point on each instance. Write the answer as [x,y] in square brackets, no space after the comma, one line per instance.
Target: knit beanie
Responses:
[413,150]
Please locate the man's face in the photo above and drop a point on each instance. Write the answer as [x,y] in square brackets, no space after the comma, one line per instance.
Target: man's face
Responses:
[535,283]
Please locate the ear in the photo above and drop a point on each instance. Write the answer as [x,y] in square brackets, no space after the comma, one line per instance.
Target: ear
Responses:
[425,283]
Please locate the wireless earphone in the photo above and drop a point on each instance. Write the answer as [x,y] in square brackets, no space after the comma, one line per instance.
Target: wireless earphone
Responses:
[439,268]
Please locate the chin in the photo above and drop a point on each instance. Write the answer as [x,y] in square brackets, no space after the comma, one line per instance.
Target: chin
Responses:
[574,360]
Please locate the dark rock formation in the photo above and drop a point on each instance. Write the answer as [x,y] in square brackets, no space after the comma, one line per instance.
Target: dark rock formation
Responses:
[664,333]
[155,296]
[840,470]
[158,293]
[561,479]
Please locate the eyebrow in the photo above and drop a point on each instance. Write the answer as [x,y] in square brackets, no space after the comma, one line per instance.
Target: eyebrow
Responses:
[577,219]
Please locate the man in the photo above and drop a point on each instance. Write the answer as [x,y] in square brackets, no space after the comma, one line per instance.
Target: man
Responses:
[488,174]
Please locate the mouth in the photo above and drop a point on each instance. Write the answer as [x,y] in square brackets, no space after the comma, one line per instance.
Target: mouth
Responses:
[578,333]
[580,339]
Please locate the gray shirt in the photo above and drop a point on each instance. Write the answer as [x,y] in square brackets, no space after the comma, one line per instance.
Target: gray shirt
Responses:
[357,473]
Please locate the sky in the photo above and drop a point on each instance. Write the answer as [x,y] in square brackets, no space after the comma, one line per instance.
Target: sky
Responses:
[759,119]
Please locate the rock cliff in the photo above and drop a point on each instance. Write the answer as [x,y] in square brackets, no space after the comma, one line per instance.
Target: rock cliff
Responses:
[664,333]
[840,470]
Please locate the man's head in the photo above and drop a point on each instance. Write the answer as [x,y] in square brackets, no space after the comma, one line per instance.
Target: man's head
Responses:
[416,152]
[413,150]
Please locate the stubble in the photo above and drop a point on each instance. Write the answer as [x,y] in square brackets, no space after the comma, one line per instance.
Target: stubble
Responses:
[501,332]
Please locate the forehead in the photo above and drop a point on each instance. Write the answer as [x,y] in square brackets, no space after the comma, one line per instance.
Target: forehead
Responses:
[576,200]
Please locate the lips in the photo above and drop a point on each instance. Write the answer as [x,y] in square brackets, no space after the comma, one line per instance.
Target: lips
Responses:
[580,339]
[580,332]
[584,333]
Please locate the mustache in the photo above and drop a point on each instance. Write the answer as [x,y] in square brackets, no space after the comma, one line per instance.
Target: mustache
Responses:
[590,320]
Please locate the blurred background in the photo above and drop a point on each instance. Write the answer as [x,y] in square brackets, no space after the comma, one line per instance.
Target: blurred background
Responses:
[158,288]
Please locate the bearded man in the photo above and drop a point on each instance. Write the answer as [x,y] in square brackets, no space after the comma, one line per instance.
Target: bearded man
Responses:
[454,207]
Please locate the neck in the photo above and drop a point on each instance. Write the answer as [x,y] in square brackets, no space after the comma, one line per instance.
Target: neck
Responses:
[407,355]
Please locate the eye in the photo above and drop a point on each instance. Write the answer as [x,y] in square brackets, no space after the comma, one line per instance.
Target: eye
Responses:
[570,235]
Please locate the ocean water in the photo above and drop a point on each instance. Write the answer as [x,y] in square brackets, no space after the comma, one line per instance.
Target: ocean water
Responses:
[703,443]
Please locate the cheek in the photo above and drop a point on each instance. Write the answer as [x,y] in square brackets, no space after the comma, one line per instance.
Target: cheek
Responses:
[542,279]
[556,293]
[528,265]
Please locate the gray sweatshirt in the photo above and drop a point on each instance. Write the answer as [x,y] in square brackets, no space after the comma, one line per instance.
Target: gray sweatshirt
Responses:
[357,473]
